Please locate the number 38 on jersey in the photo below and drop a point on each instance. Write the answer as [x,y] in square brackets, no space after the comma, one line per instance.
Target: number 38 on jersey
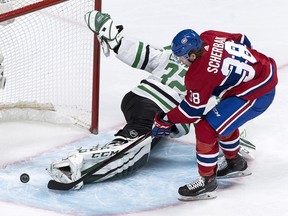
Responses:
[238,63]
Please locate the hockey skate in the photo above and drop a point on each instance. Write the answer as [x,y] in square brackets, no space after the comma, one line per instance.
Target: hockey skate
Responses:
[231,168]
[201,189]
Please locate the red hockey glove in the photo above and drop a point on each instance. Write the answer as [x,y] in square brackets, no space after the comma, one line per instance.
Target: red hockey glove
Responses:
[161,127]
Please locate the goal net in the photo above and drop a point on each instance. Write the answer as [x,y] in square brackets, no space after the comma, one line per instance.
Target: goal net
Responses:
[49,62]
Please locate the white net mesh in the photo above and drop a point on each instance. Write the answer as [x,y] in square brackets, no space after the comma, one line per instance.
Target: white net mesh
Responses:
[48,58]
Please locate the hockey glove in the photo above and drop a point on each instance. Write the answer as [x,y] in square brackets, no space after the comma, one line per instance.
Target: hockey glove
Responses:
[107,33]
[161,127]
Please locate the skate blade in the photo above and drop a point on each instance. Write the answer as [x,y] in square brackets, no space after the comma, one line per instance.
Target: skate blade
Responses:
[205,196]
[237,174]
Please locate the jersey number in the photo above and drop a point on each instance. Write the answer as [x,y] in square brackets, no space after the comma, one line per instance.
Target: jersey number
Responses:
[175,83]
[194,97]
[238,64]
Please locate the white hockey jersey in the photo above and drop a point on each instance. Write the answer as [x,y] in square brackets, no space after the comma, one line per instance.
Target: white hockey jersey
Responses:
[165,86]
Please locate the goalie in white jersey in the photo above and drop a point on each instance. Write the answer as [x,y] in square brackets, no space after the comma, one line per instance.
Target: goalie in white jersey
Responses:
[160,92]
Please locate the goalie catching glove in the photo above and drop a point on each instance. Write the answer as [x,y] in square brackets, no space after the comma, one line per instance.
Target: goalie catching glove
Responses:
[107,33]
[79,162]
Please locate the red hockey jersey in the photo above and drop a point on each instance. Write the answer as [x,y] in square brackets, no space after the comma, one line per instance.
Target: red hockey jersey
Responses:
[229,67]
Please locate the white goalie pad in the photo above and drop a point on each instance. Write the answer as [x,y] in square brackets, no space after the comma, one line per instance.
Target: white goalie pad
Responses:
[67,170]
[122,164]
[72,167]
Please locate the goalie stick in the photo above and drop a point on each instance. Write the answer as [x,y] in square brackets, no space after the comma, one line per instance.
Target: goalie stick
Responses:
[246,143]
[54,185]
[247,149]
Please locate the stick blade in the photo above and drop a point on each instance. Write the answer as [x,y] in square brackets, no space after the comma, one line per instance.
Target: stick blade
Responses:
[54,185]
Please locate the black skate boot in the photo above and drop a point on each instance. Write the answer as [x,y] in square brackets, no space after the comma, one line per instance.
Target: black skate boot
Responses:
[231,168]
[201,188]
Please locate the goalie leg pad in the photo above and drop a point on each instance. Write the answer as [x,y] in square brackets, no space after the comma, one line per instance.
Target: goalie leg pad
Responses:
[125,165]
[78,163]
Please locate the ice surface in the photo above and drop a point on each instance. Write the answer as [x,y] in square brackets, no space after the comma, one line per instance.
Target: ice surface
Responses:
[27,145]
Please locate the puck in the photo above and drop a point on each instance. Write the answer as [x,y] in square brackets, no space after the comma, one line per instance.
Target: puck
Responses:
[24,178]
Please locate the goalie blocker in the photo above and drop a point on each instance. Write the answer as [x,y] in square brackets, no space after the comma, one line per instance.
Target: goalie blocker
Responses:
[82,161]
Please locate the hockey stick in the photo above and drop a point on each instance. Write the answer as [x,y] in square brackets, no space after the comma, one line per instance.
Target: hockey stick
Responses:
[246,143]
[54,185]
[247,149]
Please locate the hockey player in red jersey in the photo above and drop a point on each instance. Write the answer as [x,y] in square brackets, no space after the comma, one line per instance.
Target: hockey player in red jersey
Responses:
[224,65]
[161,91]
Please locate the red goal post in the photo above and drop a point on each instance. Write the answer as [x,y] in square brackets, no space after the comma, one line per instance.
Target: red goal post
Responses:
[51,61]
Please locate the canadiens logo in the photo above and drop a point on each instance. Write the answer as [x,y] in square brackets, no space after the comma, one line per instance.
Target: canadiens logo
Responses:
[184,40]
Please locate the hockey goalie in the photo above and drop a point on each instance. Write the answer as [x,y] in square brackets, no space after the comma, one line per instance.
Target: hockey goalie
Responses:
[160,92]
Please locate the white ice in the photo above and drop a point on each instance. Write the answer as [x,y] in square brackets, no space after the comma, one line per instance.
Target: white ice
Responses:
[263,21]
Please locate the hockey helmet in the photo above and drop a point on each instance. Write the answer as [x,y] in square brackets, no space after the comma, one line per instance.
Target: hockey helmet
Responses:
[186,41]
